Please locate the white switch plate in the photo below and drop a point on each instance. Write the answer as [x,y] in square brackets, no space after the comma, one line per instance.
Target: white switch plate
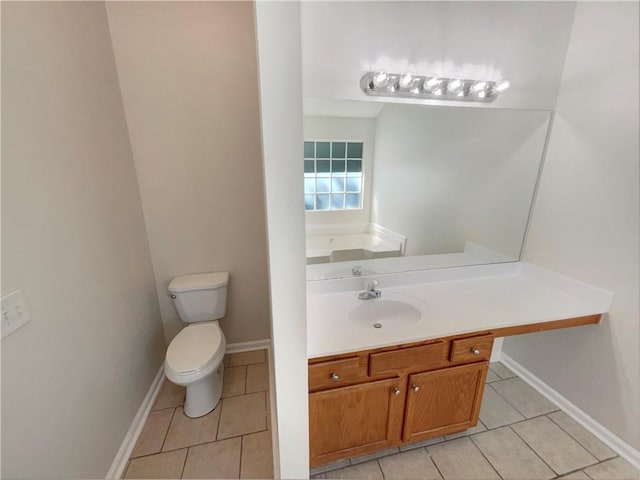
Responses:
[14,312]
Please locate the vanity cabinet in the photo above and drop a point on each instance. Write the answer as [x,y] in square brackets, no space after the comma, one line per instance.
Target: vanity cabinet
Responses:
[370,400]
[444,400]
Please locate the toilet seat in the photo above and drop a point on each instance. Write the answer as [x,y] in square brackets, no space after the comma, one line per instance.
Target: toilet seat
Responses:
[195,351]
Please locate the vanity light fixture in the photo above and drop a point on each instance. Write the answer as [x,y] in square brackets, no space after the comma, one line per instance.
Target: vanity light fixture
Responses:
[408,85]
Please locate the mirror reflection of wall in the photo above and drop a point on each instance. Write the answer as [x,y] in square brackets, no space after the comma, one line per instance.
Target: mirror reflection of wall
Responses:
[440,187]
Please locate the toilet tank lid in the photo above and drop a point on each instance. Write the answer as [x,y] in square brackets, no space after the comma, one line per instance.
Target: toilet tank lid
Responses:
[199,281]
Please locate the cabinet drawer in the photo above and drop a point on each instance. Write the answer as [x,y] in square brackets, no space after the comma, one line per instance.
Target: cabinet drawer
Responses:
[471,349]
[334,373]
[410,359]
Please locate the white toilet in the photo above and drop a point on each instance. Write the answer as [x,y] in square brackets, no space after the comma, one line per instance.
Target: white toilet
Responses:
[194,357]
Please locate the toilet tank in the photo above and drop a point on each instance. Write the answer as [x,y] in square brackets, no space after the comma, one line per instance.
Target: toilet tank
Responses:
[200,297]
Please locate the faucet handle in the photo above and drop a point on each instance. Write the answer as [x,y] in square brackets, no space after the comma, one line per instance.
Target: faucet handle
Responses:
[372,284]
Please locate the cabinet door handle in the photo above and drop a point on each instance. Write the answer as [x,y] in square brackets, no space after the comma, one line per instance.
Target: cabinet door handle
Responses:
[334,377]
[396,391]
[415,388]
[475,351]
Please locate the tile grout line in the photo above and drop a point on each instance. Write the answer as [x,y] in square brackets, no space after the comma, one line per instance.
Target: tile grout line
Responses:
[246,373]
[556,409]
[507,401]
[196,445]
[539,456]
[433,461]
[500,376]
[166,434]
[589,476]
[484,456]
[578,441]
[572,472]
[184,464]
[568,435]
[165,408]
[124,474]
[583,469]
[240,458]
[380,469]
[533,450]
[518,421]
[219,419]
[496,374]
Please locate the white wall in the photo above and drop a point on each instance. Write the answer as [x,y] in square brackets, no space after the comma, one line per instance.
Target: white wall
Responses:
[278,35]
[188,73]
[586,219]
[337,128]
[444,176]
[73,238]
[524,42]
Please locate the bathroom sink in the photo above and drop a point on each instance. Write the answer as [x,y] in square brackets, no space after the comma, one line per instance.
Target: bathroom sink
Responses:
[391,310]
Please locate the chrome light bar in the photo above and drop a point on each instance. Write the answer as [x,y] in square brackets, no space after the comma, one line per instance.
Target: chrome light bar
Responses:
[407,85]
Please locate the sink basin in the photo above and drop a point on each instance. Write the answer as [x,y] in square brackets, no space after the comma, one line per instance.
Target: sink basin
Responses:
[392,310]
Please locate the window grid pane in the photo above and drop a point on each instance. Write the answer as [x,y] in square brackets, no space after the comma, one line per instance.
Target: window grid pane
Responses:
[333,175]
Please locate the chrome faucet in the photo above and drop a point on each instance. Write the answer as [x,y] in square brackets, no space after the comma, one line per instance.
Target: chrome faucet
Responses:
[371,291]
[357,270]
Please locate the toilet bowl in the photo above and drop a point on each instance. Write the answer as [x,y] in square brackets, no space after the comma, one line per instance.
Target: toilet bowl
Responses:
[195,356]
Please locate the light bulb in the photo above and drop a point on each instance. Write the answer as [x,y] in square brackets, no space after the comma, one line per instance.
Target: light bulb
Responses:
[455,85]
[482,94]
[478,86]
[432,82]
[406,80]
[502,86]
[380,79]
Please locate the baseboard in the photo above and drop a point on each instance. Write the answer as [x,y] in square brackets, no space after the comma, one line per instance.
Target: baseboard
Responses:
[246,346]
[273,415]
[607,437]
[130,439]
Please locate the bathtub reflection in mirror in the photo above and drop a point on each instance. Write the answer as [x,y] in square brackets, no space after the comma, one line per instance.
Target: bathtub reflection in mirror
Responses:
[398,187]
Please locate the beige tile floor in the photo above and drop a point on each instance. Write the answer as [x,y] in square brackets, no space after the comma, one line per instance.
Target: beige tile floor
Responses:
[233,441]
[520,436]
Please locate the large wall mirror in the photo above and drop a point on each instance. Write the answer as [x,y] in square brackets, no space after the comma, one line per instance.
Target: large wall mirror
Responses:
[395,187]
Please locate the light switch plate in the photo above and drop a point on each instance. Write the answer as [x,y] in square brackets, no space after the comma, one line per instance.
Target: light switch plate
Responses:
[14,312]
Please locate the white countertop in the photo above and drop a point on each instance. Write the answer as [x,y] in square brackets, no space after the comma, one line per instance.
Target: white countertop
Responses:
[453,301]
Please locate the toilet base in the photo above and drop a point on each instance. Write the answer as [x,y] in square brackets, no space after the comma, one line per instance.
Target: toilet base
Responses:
[203,396]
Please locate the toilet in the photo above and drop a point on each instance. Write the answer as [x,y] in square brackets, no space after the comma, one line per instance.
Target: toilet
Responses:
[194,357]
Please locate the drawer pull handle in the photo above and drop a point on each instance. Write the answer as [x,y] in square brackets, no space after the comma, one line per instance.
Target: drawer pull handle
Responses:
[475,351]
[396,391]
[415,388]
[334,377]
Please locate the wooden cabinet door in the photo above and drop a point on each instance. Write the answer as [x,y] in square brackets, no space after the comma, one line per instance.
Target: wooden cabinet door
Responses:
[443,401]
[349,421]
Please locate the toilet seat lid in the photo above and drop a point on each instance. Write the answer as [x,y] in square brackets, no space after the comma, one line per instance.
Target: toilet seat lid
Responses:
[194,347]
